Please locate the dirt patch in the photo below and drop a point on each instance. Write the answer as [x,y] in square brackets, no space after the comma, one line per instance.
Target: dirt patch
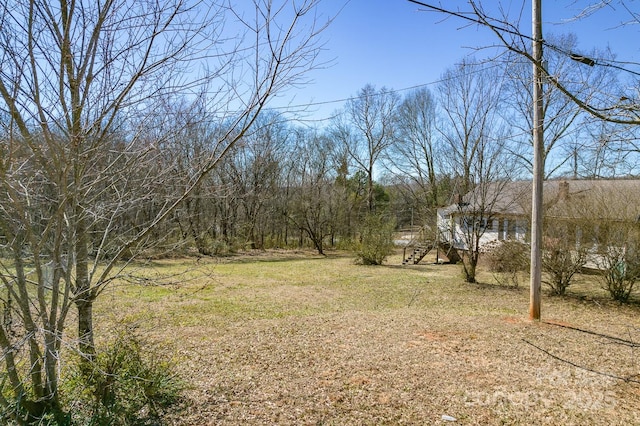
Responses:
[515,320]
[386,369]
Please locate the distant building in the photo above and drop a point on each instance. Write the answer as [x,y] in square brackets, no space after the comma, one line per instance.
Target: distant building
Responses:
[587,209]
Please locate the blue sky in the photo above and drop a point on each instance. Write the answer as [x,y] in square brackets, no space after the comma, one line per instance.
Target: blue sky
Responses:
[394,43]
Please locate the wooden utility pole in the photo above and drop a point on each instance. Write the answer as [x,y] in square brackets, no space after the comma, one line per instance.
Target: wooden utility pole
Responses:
[538,163]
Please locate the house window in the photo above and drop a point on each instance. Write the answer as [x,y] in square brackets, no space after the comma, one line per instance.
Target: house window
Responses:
[473,223]
[522,230]
[511,229]
[595,237]
[507,229]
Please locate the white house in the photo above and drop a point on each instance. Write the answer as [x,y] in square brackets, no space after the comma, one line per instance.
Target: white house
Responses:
[502,210]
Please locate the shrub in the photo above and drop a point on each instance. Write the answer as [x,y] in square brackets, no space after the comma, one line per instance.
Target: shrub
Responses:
[220,248]
[620,270]
[506,259]
[561,262]
[128,385]
[376,240]
[26,410]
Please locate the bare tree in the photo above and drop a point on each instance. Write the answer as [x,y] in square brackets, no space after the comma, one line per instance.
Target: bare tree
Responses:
[478,211]
[414,157]
[193,221]
[78,83]
[469,98]
[313,208]
[367,128]
[254,168]
[613,105]
[475,149]
[350,190]
[562,117]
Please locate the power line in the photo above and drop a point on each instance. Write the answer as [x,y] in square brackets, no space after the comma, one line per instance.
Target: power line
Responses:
[574,56]
[387,91]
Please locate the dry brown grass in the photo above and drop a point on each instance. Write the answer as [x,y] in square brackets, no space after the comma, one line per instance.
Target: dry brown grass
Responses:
[293,338]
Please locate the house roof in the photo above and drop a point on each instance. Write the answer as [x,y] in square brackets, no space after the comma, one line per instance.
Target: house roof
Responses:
[612,199]
[609,199]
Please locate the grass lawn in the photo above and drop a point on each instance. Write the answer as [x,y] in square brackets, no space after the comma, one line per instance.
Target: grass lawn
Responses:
[294,338]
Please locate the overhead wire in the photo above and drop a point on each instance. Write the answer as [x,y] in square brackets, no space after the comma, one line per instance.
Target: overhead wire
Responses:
[572,55]
[352,98]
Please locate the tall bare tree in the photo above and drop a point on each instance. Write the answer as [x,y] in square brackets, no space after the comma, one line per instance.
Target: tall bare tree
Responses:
[562,117]
[79,82]
[475,149]
[470,96]
[478,210]
[313,207]
[367,128]
[414,158]
[254,168]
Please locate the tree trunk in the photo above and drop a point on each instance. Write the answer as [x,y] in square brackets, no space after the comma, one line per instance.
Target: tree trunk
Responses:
[470,271]
[370,205]
[85,328]
[84,295]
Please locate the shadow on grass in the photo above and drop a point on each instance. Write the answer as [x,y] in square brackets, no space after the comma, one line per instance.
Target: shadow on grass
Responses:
[266,256]
[496,286]
[425,266]
[595,299]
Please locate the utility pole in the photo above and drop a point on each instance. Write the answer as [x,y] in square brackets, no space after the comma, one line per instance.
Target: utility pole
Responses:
[538,163]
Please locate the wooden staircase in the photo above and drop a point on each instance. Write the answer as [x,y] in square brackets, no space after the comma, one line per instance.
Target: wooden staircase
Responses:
[420,251]
[418,254]
[450,251]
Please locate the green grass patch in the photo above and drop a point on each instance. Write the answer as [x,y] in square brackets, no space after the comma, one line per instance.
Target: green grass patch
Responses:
[191,293]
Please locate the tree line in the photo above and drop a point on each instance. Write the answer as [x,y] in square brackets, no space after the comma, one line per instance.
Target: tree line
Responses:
[400,155]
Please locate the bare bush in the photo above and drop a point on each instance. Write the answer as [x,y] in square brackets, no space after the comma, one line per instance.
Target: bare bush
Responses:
[620,271]
[561,262]
[507,259]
